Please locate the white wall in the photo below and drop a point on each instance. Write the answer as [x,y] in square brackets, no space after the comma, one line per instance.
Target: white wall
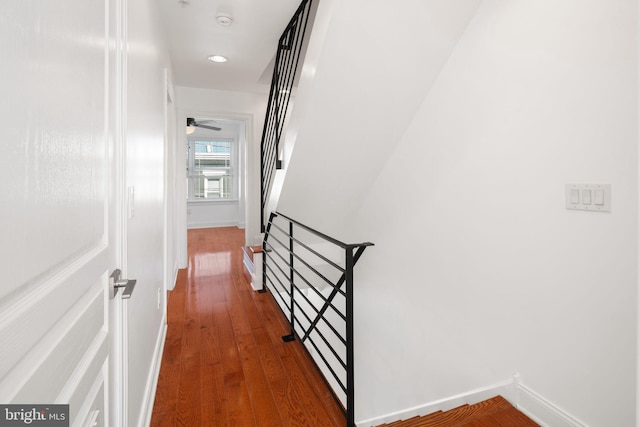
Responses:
[171,186]
[359,98]
[147,59]
[479,268]
[213,214]
[246,107]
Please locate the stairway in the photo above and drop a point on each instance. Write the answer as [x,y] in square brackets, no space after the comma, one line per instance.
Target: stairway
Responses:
[494,412]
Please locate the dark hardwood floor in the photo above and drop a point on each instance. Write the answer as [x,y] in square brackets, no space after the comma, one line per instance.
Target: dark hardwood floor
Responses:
[224,362]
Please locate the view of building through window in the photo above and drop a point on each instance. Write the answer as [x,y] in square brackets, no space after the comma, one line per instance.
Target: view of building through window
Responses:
[210,169]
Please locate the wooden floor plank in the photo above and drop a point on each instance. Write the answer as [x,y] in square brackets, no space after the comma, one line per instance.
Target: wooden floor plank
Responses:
[214,410]
[191,343]
[313,377]
[264,405]
[167,389]
[311,397]
[188,410]
[284,394]
[173,343]
[210,345]
[238,405]
[228,349]
[175,298]
[167,419]
[251,313]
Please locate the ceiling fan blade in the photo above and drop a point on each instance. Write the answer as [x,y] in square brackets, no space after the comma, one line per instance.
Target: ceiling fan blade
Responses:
[207,127]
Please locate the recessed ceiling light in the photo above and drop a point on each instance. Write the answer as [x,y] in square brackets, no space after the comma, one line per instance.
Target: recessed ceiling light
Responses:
[224,19]
[217,58]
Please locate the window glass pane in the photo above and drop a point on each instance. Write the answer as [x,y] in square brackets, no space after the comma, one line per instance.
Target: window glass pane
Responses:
[212,154]
[211,174]
[218,187]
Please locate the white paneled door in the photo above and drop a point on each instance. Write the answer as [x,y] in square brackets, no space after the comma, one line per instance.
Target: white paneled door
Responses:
[62,215]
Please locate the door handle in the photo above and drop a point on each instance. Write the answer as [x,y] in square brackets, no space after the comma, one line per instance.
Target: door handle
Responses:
[115,283]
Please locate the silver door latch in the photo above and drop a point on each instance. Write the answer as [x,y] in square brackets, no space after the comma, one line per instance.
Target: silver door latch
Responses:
[116,283]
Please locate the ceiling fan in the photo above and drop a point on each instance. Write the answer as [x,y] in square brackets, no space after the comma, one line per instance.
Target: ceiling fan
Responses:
[192,124]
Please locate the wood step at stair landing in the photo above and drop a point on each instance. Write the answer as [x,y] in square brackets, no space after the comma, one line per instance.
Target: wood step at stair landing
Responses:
[494,412]
[249,265]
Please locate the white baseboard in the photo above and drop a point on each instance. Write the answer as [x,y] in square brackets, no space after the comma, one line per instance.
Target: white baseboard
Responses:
[213,224]
[171,286]
[530,403]
[541,410]
[152,381]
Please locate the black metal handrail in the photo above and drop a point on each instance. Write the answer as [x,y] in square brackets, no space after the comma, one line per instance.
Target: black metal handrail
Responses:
[285,72]
[322,321]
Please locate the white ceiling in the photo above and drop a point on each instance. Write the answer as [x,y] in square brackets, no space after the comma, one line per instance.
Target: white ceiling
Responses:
[250,42]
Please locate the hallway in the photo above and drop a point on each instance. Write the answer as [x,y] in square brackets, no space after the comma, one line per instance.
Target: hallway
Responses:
[224,363]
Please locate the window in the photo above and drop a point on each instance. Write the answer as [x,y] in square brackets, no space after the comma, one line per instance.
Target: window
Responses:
[211,169]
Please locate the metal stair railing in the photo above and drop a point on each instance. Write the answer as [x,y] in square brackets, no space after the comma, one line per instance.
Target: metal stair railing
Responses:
[310,276]
[285,72]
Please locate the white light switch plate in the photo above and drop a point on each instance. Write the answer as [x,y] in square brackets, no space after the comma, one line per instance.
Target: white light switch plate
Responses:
[592,197]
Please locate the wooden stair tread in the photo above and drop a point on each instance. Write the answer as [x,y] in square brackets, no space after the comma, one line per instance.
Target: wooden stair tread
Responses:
[414,421]
[494,412]
[250,250]
[466,413]
[420,421]
[506,418]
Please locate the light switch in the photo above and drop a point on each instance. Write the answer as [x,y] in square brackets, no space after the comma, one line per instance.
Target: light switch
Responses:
[588,197]
[598,197]
[575,196]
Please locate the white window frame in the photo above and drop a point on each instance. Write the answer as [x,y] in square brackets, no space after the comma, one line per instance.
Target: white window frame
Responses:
[233,169]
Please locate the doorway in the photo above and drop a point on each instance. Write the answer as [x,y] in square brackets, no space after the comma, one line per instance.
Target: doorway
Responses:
[215,170]
[211,212]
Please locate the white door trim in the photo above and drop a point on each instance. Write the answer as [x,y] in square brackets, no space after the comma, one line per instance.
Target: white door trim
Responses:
[118,375]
